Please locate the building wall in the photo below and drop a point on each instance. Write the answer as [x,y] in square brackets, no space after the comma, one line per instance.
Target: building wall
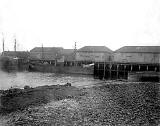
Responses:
[137,57]
[46,56]
[19,54]
[90,56]
[36,55]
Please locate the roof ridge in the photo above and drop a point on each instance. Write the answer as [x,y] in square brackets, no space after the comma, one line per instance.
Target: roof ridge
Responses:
[139,46]
[139,49]
[95,49]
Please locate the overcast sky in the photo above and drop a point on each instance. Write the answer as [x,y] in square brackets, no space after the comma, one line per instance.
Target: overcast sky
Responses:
[112,23]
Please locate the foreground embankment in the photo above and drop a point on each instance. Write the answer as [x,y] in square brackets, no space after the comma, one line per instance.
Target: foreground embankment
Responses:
[19,99]
[110,103]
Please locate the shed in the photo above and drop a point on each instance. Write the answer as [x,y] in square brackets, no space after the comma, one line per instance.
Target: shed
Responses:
[138,54]
[94,54]
[16,54]
[46,53]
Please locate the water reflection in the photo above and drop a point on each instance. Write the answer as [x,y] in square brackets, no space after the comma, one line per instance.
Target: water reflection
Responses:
[33,79]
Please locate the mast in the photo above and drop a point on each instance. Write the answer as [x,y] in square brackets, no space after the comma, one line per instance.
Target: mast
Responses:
[75,51]
[75,48]
[42,52]
[15,43]
[3,43]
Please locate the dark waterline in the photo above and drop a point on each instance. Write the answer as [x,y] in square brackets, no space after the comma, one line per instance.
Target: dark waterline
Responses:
[33,79]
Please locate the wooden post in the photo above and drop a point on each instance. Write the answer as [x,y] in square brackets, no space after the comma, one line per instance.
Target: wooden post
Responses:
[147,67]
[55,64]
[131,67]
[139,67]
[124,70]
[117,71]
[110,70]
[76,63]
[98,70]
[155,69]
[104,71]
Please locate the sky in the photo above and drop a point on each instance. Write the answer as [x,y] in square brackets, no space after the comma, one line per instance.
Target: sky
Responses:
[61,23]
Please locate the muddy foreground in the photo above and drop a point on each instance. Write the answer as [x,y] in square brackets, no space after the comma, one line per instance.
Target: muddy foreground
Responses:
[117,104]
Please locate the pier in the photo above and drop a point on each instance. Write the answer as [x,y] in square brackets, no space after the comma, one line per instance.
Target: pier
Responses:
[117,70]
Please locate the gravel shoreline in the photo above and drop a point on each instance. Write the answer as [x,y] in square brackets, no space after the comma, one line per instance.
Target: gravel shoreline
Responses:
[103,105]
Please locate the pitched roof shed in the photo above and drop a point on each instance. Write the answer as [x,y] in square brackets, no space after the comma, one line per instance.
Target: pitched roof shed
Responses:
[94,49]
[139,49]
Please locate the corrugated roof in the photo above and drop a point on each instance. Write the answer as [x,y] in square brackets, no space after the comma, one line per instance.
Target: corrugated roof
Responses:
[142,49]
[94,49]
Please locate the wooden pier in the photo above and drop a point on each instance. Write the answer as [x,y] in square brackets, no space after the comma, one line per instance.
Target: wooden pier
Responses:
[117,70]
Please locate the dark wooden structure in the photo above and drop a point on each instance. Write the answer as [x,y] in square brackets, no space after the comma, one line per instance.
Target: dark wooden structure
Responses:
[116,70]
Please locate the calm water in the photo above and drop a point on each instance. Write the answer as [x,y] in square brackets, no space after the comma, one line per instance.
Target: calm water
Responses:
[33,79]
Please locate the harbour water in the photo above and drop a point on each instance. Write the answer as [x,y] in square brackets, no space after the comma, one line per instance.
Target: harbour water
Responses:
[33,79]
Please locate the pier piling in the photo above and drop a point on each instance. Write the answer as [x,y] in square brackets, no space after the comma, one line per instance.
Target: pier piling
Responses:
[112,70]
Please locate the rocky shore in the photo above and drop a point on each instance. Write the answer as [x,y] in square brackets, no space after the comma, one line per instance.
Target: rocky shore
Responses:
[114,103]
[18,99]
